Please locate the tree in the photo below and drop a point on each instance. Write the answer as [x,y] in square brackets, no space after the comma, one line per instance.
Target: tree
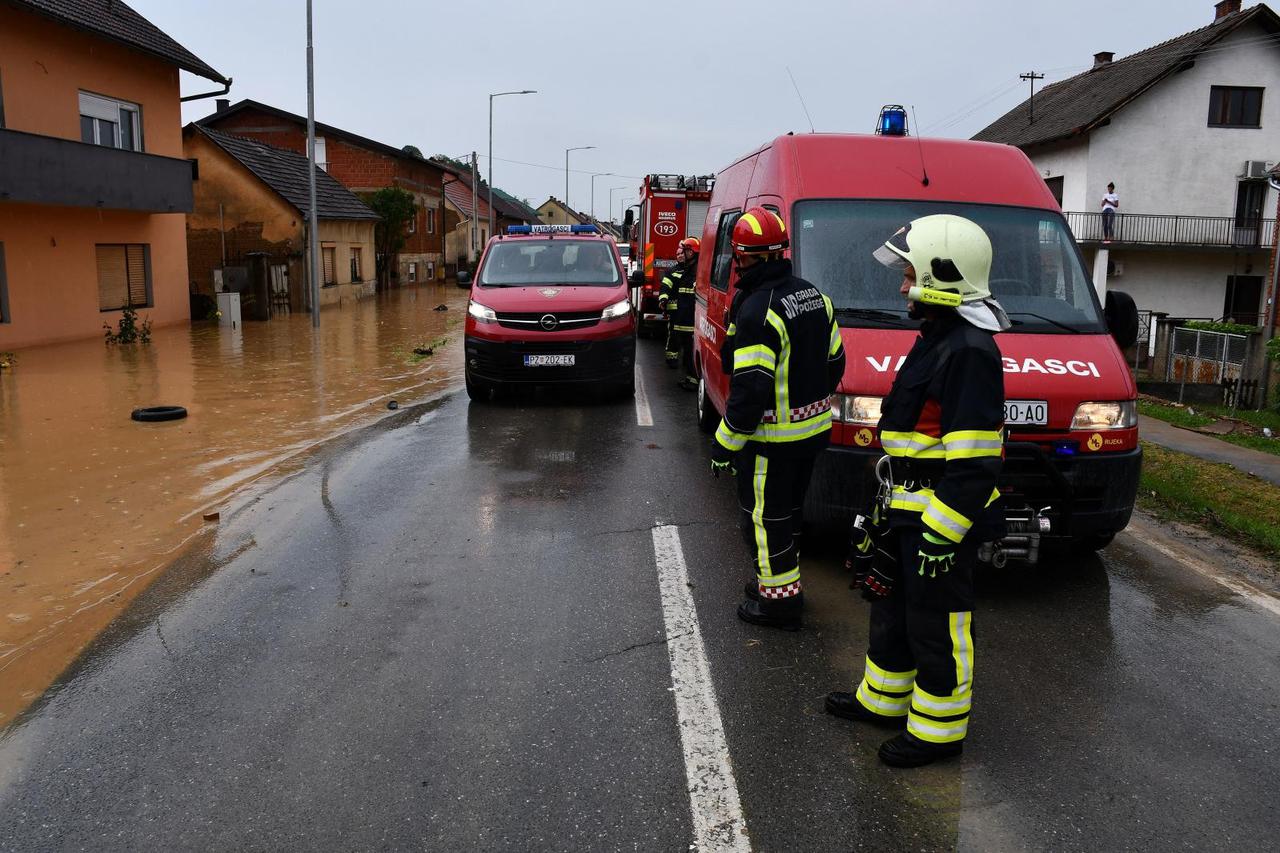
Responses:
[413,151]
[395,208]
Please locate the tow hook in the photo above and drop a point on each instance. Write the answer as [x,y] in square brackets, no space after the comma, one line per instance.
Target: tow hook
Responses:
[1021,541]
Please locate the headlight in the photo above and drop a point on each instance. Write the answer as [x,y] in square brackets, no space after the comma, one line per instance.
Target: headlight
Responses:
[616,310]
[1122,414]
[856,410]
[481,313]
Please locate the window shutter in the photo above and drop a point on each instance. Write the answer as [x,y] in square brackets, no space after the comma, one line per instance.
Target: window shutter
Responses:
[328,265]
[136,257]
[113,278]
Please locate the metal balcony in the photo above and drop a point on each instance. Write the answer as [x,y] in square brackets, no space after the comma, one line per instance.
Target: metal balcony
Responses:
[48,170]
[1141,230]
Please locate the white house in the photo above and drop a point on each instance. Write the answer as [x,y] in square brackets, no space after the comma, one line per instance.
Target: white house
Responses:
[1184,130]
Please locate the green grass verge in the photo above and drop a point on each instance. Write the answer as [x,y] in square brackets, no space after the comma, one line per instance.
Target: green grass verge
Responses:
[1208,414]
[1211,494]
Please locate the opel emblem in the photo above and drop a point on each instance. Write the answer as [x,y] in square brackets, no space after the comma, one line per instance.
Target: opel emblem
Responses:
[549,322]
[549,291]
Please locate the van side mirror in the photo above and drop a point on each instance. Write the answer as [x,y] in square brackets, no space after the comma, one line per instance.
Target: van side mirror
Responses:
[464,278]
[1122,318]
[636,278]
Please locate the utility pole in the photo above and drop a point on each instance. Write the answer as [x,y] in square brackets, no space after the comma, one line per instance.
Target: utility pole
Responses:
[314,226]
[1031,104]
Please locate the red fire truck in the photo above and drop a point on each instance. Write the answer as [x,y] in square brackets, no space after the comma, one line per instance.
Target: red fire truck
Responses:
[672,207]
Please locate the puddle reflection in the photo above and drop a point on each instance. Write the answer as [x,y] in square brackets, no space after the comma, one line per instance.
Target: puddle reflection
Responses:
[92,502]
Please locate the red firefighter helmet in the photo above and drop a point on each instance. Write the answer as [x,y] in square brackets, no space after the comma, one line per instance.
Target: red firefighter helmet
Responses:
[691,244]
[759,231]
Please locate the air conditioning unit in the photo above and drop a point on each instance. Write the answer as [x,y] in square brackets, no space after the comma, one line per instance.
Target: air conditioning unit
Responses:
[1115,268]
[1257,169]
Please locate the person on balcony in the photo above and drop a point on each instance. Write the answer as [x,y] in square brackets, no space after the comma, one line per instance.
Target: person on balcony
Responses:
[1110,201]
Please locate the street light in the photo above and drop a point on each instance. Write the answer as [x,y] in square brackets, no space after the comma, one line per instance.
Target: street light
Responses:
[613,190]
[593,192]
[566,170]
[491,97]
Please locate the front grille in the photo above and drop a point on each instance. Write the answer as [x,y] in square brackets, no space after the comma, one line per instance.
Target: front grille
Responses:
[564,320]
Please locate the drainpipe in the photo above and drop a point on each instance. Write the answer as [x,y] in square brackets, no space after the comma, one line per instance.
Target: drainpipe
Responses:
[1273,290]
[225,90]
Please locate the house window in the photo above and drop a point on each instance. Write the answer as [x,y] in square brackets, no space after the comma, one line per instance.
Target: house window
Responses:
[431,270]
[124,276]
[1055,187]
[322,154]
[1244,292]
[413,221]
[431,220]
[110,123]
[4,291]
[413,272]
[355,264]
[330,256]
[1235,106]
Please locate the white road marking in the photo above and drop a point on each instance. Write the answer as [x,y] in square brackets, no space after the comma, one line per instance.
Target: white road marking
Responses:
[718,822]
[1144,535]
[644,417]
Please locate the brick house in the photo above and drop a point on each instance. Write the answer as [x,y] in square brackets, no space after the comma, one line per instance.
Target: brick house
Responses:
[93,184]
[249,225]
[363,166]
[507,210]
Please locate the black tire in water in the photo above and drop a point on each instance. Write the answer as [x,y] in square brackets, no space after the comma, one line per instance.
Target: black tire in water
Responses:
[153,414]
[1091,543]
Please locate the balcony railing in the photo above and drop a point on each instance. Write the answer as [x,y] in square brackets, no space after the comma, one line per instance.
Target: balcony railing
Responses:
[48,170]
[1152,229]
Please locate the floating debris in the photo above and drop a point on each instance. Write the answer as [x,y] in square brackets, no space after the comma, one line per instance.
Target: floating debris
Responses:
[441,307]
[392,405]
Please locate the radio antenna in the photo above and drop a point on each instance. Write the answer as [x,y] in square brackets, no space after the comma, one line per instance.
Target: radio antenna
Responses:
[801,97]
[924,172]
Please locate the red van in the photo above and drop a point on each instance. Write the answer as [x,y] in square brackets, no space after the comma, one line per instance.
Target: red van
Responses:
[1072,454]
[550,304]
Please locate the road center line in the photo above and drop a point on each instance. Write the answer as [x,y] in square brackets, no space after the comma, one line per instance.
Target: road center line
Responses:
[718,822]
[644,417]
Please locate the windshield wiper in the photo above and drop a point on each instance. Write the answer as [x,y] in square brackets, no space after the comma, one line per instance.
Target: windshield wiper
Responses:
[1072,329]
[870,314]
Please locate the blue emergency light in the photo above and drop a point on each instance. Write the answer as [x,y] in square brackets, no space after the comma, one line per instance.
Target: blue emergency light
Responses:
[893,121]
[584,229]
[519,229]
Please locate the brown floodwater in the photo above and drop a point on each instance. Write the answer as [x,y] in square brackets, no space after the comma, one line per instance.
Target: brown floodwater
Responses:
[94,504]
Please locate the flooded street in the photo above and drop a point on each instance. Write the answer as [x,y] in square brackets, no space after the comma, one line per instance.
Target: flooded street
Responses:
[93,503]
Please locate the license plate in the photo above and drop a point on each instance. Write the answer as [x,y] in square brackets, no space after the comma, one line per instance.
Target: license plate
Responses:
[1035,412]
[549,360]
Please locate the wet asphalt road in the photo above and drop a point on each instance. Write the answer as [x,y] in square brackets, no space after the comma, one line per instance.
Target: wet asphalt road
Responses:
[445,633]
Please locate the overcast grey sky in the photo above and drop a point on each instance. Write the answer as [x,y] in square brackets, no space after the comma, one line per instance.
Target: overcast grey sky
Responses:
[656,87]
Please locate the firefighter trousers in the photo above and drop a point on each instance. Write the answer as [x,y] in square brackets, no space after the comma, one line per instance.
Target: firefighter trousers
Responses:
[771,494]
[680,349]
[920,653]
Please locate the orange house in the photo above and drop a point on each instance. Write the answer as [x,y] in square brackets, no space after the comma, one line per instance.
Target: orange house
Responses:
[93,184]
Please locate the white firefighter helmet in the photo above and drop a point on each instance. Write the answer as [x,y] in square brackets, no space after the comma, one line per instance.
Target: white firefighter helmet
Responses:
[951,257]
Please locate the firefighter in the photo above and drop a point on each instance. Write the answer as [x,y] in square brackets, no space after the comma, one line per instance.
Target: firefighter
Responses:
[787,360]
[942,429]
[676,299]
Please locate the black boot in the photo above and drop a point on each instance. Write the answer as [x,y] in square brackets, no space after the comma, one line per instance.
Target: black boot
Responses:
[907,750]
[846,705]
[784,614]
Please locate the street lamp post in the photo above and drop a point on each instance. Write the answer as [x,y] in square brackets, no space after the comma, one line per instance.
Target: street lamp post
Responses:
[613,190]
[593,192]
[491,97]
[566,170]
[313,227]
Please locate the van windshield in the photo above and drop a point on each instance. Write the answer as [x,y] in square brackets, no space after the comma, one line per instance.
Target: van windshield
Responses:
[518,263]
[1036,272]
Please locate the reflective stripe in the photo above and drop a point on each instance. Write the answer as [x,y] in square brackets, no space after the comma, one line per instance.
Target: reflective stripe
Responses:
[916,445]
[831,310]
[935,731]
[667,282]
[916,501]
[757,518]
[962,649]
[732,330]
[682,328]
[890,682]
[973,443]
[798,431]
[754,223]
[945,521]
[757,355]
[728,438]
[942,706]
[772,581]
[836,343]
[890,706]
[782,378]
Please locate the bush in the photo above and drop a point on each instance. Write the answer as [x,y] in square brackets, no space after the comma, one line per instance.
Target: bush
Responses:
[130,330]
[1227,328]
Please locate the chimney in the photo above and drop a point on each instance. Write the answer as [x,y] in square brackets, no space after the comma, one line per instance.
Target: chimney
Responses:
[222,103]
[1103,57]
[1224,8]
